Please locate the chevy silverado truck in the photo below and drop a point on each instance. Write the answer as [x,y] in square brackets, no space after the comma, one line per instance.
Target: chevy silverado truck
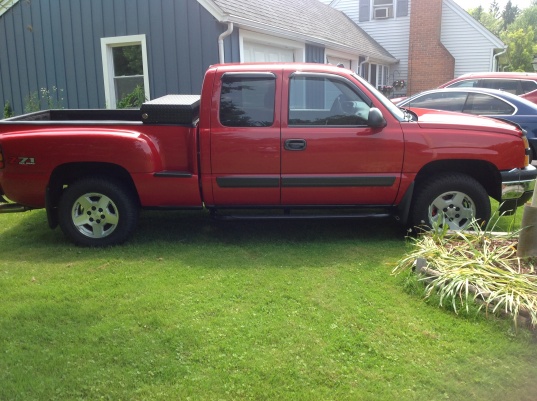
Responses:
[290,140]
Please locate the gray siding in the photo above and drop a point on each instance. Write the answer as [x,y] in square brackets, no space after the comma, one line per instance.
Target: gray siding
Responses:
[56,43]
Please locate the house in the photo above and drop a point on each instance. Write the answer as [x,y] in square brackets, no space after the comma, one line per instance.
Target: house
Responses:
[98,53]
[433,40]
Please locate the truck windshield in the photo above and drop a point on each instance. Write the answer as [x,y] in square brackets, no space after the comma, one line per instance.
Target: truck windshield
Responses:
[392,108]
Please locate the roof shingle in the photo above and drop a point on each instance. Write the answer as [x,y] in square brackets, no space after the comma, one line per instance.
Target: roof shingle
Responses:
[310,18]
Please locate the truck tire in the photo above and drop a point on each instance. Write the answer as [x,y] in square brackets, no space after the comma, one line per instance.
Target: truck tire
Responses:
[97,212]
[453,199]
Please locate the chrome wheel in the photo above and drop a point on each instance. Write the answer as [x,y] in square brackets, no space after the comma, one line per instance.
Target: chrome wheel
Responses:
[456,209]
[95,215]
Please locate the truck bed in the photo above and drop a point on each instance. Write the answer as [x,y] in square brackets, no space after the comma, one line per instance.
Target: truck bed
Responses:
[169,109]
[81,115]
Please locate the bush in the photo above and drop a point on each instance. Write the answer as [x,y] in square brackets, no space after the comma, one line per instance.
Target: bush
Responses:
[48,99]
[132,100]
[8,111]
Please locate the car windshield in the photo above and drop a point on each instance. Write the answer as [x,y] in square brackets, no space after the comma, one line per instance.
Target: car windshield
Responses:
[392,108]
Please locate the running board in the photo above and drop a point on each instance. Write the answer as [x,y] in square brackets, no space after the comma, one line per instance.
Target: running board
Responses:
[289,216]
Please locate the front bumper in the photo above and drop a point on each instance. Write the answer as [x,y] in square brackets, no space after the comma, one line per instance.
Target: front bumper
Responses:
[518,186]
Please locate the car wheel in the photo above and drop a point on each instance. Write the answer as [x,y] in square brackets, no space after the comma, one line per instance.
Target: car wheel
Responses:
[97,212]
[454,200]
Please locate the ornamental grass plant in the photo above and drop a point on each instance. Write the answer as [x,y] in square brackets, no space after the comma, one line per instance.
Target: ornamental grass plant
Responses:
[477,266]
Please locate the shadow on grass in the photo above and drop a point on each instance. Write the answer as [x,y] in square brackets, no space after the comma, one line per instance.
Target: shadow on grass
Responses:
[199,227]
[174,233]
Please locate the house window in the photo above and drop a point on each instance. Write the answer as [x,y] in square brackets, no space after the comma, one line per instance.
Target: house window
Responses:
[382,9]
[124,68]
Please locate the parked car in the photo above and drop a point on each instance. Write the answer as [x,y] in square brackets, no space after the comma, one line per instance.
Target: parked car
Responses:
[482,102]
[523,84]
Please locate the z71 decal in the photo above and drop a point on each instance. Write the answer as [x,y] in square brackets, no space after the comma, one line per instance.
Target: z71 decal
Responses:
[25,161]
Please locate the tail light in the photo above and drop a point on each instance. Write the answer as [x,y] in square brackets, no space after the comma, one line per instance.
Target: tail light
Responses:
[528,151]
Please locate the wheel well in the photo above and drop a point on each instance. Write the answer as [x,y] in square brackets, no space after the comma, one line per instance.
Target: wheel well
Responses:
[483,172]
[66,174]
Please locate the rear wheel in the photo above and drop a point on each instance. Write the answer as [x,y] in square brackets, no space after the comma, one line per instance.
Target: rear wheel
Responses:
[97,212]
[454,200]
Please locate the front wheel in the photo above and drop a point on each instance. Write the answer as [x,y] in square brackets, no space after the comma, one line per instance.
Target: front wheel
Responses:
[97,212]
[454,200]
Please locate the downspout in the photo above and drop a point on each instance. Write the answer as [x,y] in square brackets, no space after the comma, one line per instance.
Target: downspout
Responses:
[497,60]
[221,38]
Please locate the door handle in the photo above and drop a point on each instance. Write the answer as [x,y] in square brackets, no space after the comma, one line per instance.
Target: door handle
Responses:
[295,144]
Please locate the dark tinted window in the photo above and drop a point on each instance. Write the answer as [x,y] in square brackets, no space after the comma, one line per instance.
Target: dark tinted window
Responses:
[247,101]
[450,101]
[528,86]
[325,101]
[507,85]
[482,104]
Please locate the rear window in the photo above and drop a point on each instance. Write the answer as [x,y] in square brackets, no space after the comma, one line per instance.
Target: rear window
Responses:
[507,85]
[481,104]
[468,83]
[449,101]
[528,86]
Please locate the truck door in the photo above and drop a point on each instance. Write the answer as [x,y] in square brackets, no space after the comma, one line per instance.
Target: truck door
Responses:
[245,139]
[330,156]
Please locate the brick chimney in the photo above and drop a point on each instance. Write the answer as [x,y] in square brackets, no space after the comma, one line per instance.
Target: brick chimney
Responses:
[430,64]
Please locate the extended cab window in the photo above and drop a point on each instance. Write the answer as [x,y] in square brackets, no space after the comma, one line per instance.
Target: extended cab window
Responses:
[319,100]
[247,100]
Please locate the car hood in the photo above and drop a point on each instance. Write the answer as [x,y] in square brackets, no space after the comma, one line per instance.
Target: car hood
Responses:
[437,119]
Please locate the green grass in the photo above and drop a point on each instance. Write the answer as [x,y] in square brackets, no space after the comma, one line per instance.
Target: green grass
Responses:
[202,310]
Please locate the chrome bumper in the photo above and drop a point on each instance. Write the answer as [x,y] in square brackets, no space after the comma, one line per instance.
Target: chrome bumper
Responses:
[518,183]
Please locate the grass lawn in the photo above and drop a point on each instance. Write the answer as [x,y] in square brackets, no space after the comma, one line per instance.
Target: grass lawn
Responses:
[192,309]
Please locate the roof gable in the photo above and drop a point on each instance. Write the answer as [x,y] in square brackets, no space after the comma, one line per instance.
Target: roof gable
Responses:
[307,20]
[476,25]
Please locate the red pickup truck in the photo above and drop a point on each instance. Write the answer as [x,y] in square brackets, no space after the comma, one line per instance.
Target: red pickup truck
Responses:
[292,139]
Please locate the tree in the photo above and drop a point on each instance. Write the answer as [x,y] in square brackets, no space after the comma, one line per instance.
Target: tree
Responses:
[509,14]
[520,48]
[494,9]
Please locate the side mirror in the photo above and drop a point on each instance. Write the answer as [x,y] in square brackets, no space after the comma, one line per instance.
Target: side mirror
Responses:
[376,119]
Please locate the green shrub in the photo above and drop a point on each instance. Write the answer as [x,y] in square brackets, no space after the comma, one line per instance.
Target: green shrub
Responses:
[8,111]
[44,99]
[132,100]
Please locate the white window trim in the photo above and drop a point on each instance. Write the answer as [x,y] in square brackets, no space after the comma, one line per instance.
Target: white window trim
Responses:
[107,44]
[299,49]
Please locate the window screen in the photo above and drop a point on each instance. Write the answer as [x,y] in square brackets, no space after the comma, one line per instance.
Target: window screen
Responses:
[247,101]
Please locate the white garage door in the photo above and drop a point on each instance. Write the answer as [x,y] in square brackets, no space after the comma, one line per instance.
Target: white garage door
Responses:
[255,52]
[337,61]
